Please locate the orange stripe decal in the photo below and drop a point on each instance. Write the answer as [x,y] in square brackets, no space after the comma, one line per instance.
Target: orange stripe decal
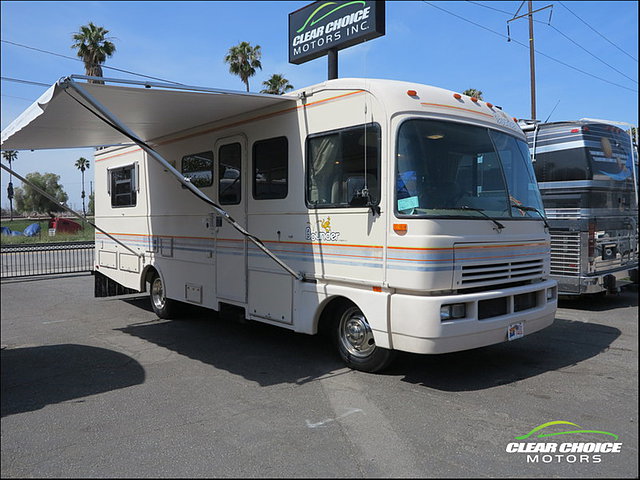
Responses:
[457,108]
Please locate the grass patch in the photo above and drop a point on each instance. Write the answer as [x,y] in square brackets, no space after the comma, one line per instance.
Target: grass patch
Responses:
[84,235]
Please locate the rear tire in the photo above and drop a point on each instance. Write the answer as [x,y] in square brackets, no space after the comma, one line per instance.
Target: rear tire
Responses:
[163,307]
[354,340]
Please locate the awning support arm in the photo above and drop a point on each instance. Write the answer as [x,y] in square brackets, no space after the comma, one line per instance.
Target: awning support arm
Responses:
[67,209]
[116,123]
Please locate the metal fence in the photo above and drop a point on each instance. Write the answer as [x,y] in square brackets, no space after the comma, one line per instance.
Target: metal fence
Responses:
[46,259]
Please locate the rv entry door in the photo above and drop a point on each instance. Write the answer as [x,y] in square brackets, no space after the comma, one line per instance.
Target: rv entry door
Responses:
[231,246]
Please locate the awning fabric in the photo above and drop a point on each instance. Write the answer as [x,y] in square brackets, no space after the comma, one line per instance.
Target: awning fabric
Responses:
[56,120]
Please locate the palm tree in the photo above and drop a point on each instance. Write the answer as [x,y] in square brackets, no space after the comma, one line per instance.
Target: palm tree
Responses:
[93,48]
[82,164]
[243,59]
[276,85]
[10,156]
[472,92]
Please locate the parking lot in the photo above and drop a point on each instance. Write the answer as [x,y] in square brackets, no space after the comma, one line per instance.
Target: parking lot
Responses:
[102,388]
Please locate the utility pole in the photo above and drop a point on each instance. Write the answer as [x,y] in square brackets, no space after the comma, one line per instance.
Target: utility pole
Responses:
[532,64]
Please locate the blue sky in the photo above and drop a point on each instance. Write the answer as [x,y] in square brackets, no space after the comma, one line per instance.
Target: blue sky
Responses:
[586,65]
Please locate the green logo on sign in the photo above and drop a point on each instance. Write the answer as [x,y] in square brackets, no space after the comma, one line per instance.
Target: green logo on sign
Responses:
[310,22]
[545,425]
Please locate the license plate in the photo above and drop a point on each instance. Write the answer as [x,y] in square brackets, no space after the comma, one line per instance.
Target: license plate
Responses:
[515,330]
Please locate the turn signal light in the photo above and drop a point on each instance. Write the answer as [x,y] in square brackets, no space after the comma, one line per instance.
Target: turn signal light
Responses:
[400,228]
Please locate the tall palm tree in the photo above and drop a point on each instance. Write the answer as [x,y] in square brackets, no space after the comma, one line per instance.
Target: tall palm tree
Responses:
[10,156]
[472,92]
[82,164]
[93,48]
[243,59]
[276,85]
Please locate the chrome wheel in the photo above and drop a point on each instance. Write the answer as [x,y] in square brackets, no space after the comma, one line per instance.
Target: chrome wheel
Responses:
[157,294]
[354,333]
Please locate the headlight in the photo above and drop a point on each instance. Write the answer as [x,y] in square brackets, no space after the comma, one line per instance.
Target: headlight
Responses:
[451,312]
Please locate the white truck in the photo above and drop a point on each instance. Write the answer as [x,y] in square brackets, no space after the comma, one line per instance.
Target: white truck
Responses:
[393,215]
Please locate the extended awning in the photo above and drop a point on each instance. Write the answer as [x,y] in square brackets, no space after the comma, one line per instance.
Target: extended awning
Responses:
[151,110]
[72,115]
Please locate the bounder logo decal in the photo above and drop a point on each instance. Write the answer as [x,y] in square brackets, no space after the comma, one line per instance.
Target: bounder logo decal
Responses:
[580,445]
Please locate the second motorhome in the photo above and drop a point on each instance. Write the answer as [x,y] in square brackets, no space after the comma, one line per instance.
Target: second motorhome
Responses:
[585,171]
[392,215]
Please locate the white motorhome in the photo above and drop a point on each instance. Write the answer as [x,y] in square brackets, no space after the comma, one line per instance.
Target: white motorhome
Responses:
[393,215]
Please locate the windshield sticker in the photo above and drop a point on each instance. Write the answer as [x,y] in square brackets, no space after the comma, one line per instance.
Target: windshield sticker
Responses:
[407,203]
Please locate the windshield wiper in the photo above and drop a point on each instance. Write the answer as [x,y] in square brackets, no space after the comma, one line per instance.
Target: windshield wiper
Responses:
[481,212]
[532,209]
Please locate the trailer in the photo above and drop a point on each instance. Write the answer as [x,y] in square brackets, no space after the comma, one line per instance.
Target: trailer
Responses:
[391,215]
[587,174]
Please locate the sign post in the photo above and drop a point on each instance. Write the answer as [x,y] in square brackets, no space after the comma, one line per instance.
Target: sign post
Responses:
[323,28]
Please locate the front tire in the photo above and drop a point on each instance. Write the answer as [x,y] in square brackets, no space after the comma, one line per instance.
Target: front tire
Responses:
[163,307]
[354,340]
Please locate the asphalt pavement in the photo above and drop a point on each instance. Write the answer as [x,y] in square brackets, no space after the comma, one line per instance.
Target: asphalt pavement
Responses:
[102,388]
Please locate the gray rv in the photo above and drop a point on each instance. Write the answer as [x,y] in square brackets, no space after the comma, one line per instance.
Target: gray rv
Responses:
[587,174]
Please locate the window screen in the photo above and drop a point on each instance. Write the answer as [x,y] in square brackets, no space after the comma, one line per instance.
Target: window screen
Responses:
[198,167]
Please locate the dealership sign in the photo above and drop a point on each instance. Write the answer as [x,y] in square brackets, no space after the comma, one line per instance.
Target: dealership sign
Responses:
[323,26]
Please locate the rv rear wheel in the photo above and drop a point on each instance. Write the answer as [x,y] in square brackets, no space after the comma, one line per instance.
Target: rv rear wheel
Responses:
[355,343]
[162,306]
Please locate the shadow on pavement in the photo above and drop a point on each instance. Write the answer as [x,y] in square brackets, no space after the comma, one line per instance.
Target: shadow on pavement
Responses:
[262,353]
[602,303]
[34,377]
[270,355]
[561,345]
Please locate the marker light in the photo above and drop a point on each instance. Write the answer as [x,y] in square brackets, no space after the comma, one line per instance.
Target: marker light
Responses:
[474,99]
[412,93]
[490,105]
[457,96]
[575,130]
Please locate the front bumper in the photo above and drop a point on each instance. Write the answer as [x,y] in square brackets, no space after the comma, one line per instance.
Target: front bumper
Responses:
[601,282]
[416,325]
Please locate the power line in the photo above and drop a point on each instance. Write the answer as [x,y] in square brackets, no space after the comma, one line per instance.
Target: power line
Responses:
[598,32]
[522,44]
[564,35]
[79,60]
[28,82]
[594,56]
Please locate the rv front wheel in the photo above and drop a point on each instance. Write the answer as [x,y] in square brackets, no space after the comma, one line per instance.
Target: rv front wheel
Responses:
[355,342]
[162,306]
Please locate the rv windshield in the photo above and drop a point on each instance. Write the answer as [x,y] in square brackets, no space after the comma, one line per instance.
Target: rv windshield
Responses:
[448,169]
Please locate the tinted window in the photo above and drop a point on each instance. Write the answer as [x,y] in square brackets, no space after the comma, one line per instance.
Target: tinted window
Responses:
[270,168]
[123,186]
[563,165]
[230,174]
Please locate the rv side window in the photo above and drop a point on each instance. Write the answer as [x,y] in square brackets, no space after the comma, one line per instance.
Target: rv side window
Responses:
[343,166]
[270,168]
[198,167]
[123,186]
[229,174]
